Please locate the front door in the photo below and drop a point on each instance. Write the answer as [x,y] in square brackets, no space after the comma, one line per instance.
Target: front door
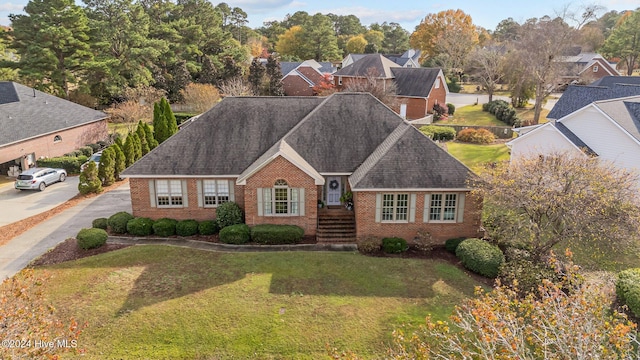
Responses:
[334,190]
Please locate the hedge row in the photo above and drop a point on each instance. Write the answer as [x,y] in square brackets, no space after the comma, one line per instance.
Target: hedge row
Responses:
[628,289]
[444,133]
[503,112]
[476,136]
[70,163]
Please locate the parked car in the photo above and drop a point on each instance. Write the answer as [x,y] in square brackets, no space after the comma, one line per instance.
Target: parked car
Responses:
[39,178]
[95,158]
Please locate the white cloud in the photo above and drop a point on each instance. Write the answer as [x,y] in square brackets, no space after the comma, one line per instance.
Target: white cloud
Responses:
[250,6]
[369,15]
[11,7]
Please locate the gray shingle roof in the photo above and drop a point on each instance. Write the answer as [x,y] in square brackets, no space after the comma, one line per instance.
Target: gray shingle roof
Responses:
[409,159]
[360,68]
[27,113]
[414,81]
[619,111]
[610,81]
[343,131]
[226,139]
[579,96]
[287,66]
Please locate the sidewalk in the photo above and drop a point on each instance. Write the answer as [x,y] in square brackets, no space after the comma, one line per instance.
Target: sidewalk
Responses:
[22,249]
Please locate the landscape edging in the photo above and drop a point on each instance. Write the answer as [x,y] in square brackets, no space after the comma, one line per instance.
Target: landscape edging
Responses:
[205,245]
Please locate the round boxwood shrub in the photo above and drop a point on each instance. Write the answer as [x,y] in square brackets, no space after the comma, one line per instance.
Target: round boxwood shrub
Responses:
[140,226]
[628,289]
[451,109]
[187,228]
[208,227]
[228,214]
[452,244]
[118,222]
[394,245]
[99,223]
[165,227]
[91,238]
[276,234]
[235,234]
[480,257]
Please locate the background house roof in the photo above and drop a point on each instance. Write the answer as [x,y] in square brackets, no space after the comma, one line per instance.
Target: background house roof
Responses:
[343,131]
[27,113]
[415,81]
[579,96]
[227,138]
[610,81]
[408,159]
[381,67]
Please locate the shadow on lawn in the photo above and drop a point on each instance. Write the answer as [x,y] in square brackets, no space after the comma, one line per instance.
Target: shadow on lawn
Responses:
[170,273]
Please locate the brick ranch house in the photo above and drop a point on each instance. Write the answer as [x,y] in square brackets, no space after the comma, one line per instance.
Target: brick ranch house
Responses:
[36,125]
[279,157]
[417,89]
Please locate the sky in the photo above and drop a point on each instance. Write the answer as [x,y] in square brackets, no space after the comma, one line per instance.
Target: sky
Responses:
[408,13]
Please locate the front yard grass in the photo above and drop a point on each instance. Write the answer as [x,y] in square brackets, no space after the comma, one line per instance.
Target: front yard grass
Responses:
[477,156]
[165,302]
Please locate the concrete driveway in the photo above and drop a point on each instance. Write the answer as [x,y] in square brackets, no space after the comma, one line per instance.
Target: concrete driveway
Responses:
[16,205]
[460,100]
[17,253]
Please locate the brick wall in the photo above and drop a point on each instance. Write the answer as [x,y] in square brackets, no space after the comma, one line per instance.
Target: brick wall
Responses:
[280,168]
[296,86]
[44,146]
[141,202]
[365,211]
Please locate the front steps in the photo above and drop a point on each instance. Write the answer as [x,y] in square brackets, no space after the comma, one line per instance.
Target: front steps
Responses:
[336,226]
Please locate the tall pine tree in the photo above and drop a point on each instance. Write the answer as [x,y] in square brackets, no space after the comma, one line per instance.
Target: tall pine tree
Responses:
[275,77]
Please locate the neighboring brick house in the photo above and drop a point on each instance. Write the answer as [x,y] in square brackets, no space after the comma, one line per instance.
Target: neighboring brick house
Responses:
[280,157]
[36,125]
[586,68]
[417,89]
[410,58]
[299,78]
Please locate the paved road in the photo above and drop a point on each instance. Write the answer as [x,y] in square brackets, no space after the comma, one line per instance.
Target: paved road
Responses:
[460,100]
[16,205]
[16,254]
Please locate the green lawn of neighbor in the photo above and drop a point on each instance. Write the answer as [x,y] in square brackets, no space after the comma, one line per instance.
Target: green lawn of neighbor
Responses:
[161,302]
[477,156]
[472,115]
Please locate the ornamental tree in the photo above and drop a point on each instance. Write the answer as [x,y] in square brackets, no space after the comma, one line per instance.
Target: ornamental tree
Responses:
[106,170]
[537,203]
[89,181]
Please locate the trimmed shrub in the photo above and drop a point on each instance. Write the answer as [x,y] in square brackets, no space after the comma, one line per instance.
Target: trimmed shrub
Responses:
[394,245]
[89,181]
[118,222]
[452,244]
[208,227]
[439,112]
[628,289]
[70,163]
[235,234]
[276,234]
[451,109]
[476,136]
[91,238]
[94,148]
[528,274]
[480,257]
[228,214]
[86,151]
[140,226]
[187,228]
[503,111]
[435,132]
[99,223]
[165,227]
[369,244]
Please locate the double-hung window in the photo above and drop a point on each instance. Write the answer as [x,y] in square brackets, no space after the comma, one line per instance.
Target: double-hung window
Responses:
[280,199]
[443,207]
[395,207]
[169,193]
[215,192]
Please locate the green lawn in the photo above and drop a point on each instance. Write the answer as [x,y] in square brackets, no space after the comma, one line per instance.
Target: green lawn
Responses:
[476,156]
[472,115]
[164,302]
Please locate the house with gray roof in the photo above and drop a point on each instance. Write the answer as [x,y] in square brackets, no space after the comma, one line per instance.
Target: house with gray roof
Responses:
[300,78]
[608,130]
[291,160]
[576,97]
[585,67]
[417,89]
[36,125]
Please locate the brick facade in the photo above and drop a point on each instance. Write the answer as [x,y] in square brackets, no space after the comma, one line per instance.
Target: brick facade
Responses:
[294,85]
[365,211]
[44,146]
[280,168]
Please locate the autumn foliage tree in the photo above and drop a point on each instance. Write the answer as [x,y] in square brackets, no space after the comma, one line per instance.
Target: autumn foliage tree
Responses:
[624,41]
[537,203]
[325,87]
[385,92]
[25,316]
[200,97]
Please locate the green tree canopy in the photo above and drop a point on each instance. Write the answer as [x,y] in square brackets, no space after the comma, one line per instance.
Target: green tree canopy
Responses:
[624,41]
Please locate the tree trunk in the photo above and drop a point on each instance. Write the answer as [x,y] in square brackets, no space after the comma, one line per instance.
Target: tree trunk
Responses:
[537,108]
